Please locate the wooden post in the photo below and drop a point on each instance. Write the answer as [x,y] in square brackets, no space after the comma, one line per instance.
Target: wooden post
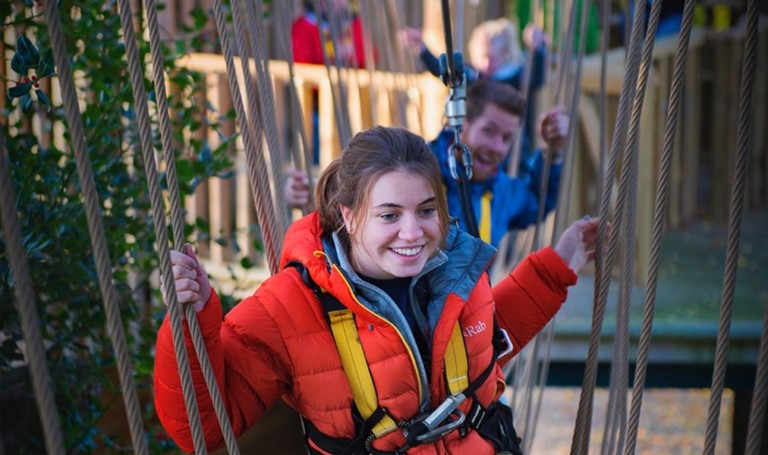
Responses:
[758,186]
[221,195]
[690,135]
[329,136]
[197,205]
[646,175]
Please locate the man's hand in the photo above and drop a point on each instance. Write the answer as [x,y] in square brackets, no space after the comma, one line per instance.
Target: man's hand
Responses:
[533,37]
[296,188]
[554,130]
[411,38]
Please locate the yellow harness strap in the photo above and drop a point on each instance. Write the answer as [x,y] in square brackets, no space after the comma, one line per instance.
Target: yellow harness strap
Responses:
[485,217]
[456,365]
[355,366]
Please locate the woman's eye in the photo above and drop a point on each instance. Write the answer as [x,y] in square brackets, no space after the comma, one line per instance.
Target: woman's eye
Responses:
[428,211]
[388,216]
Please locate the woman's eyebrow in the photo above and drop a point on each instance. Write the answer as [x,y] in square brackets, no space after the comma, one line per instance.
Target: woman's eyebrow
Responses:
[428,200]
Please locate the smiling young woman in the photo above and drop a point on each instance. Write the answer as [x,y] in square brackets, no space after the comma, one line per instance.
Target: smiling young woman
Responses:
[381,329]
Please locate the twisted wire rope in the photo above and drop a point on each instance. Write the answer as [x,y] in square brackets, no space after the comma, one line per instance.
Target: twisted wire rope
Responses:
[177,217]
[616,420]
[659,217]
[257,169]
[603,97]
[573,122]
[335,84]
[744,133]
[539,363]
[564,63]
[259,54]
[257,120]
[25,303]
[759,396]
[603,262]
[514,155]
[96,227]
[301,160]
[159,222]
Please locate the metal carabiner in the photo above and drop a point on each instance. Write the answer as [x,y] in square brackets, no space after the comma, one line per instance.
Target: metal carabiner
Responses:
[466,160]
[427,430]
[443,430]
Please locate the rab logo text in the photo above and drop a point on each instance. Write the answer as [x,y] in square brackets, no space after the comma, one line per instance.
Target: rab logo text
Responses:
[472,330]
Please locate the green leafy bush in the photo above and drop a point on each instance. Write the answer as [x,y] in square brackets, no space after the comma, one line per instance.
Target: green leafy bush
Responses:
[55,232]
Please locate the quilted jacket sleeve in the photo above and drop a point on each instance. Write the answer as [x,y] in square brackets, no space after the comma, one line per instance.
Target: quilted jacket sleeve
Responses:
[531,295]
[234,359]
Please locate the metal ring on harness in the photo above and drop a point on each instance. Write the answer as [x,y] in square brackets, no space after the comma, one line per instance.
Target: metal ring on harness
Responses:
[466,160]
[441,431]
[427,430]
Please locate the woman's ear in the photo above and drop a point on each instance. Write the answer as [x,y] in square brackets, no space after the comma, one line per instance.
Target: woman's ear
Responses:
[346,214]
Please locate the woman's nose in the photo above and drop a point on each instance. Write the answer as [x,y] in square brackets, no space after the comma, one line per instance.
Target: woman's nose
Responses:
[410,229]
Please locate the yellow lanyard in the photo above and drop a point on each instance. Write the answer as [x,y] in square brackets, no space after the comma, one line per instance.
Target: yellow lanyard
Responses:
[485,217]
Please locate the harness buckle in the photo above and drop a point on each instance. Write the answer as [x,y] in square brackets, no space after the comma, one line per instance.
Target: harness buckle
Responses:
[427,430]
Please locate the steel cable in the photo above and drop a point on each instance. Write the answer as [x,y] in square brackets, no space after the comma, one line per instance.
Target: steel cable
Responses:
[744,133]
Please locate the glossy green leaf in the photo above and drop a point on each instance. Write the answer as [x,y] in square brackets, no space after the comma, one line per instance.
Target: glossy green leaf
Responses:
[27,51]
[47,64]
[43,97]
[19,90]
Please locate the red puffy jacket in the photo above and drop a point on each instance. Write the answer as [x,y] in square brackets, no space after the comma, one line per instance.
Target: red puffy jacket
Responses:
[277,343]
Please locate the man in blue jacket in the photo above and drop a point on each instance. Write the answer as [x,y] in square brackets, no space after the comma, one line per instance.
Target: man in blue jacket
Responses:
[501,203]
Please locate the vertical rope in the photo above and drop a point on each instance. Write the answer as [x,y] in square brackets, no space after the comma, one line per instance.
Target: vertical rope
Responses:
[744,133]
[303,160]
[606,37]
[514,155]
[177,217]
[566,52]
[256,119]
[255,19]
[659,217]
[603,263]
[547,338]
[760,395]
[540,364]
[398,65]
[573,123]
[616,426]
[257,169]
[337,87]
[366,19]
[25,303]
[96,228]
[158,215]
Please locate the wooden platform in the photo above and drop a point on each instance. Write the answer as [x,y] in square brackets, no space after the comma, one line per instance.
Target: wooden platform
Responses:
[687,310]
